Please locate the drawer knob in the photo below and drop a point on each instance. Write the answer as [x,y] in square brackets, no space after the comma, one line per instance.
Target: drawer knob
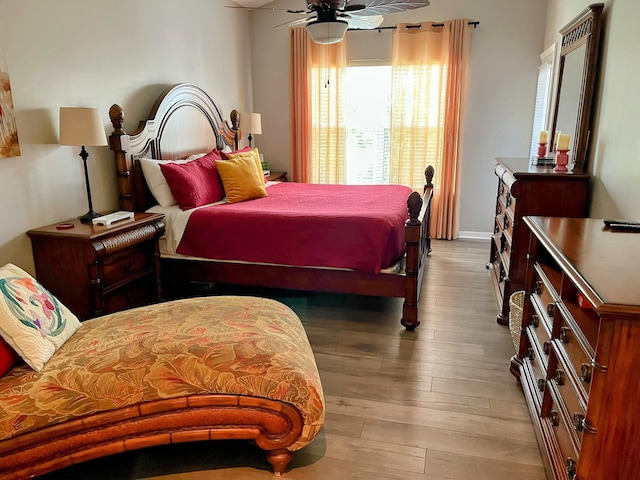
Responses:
[130,296]
[564,334]
[578,421]
[531,353]
[551,308]
[535,321]
[570,467]
[559,377]
[542,383]
[128,267]
[546,348]
[554,417]
[585,372]
[538,288]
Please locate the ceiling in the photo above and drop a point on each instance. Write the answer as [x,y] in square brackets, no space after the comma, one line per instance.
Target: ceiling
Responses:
[252,3]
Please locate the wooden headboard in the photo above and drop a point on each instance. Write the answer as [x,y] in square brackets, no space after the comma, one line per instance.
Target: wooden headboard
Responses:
[183,121]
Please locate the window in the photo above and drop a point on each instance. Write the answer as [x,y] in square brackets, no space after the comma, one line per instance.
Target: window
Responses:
[368,122]
[543,90]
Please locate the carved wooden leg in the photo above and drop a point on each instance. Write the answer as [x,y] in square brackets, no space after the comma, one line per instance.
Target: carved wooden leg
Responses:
[279,459]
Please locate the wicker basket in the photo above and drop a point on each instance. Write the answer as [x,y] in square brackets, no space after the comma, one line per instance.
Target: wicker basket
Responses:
[516,302]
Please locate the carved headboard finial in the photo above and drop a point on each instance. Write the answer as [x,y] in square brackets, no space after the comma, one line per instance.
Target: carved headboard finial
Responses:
[235,119]
[116,114]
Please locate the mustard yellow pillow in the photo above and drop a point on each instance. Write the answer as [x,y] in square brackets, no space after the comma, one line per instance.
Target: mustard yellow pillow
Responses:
[241,179]
[254,154]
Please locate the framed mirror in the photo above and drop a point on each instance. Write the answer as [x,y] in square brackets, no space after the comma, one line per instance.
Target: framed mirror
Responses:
[576,82]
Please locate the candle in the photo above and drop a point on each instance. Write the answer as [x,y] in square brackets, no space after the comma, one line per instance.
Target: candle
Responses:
[543,137]
[563,141]
[555,140]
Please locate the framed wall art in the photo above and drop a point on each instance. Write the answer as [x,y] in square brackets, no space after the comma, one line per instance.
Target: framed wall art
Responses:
[9,145]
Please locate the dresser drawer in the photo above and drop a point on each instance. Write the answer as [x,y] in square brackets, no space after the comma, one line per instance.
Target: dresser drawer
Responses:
[127,265]
[566,451]
[571,351]
[536,361]
[570,404]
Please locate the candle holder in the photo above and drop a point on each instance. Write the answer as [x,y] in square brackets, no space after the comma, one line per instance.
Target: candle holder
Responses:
[562,159]
[542,150]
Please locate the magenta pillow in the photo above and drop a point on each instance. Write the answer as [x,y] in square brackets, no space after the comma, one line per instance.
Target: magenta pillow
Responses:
[8,357]
[225,156]
[194,183]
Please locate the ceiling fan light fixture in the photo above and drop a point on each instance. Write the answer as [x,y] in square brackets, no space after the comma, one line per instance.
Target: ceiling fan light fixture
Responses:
[327,32]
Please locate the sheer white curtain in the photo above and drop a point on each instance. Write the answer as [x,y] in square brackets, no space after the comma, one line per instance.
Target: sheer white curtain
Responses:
[318,137]
[430,66]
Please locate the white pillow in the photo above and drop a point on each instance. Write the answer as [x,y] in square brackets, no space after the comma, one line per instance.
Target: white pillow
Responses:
[226,149]
[32,320]
[156,181]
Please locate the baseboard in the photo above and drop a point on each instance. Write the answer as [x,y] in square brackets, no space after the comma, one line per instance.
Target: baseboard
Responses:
[474,235]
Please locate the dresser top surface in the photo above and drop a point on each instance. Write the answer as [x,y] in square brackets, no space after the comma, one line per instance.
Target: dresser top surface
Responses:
[604,264]
[521,167]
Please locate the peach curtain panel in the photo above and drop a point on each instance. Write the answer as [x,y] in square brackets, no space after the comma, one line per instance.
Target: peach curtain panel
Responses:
[429,91]
[318,140]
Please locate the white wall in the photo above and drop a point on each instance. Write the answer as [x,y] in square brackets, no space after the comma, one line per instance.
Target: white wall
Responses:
[614,156]
[503,72]
[96,53]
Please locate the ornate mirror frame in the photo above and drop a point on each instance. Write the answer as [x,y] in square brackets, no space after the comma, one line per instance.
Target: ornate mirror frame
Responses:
[576,81]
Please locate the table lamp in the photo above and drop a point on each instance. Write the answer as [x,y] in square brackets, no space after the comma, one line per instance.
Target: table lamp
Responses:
[252,123]
[81,127]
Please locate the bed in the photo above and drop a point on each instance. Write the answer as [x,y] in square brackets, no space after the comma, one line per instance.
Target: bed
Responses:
[185,121]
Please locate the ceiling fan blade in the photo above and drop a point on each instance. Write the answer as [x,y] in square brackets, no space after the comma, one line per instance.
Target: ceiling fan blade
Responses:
[295,23]
[383,7]
[288,10]
[369,22]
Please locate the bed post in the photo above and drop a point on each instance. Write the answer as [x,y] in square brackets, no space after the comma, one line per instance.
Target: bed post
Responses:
[119,143]
[418,248]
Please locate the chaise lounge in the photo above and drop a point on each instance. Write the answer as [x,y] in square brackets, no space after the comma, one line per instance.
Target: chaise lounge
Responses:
[211,368]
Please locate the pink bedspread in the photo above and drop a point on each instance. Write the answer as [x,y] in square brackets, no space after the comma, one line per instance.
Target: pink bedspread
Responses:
[341,226]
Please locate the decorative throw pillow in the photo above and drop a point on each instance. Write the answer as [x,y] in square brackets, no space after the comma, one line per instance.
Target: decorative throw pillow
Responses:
[32,321]
[155,179]
[249,153]
[195,183]
[225,153]
[8,357]
[241,179]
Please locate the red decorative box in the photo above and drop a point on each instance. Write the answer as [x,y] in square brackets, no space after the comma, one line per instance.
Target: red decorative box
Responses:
[583,301]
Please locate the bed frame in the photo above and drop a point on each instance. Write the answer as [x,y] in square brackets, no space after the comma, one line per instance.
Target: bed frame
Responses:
[184,121]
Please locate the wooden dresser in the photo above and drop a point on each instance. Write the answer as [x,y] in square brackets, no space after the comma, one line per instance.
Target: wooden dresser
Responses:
[95,270]
[580,347]
[524,189]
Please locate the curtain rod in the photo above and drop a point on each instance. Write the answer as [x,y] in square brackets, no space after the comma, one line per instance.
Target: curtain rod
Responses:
[475,24]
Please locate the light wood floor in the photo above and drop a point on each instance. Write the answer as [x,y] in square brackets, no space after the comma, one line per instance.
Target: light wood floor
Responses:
[436,403]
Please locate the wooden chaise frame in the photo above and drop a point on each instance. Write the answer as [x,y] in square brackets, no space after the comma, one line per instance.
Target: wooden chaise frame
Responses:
[166,134]
[272,425]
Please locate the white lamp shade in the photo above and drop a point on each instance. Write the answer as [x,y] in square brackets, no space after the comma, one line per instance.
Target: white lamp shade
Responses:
[327,32]
[251,123]
[81,127]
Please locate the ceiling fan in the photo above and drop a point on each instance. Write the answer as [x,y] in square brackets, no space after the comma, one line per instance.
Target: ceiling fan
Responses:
[327,21]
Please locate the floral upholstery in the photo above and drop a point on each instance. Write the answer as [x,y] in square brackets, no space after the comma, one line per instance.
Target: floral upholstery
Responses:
[227,344]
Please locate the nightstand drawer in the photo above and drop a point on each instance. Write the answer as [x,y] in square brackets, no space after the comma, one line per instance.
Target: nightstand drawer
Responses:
[131,295]
[127,265]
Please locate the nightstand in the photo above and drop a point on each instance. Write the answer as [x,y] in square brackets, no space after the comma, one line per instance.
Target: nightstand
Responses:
[276,177]
[95,270]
